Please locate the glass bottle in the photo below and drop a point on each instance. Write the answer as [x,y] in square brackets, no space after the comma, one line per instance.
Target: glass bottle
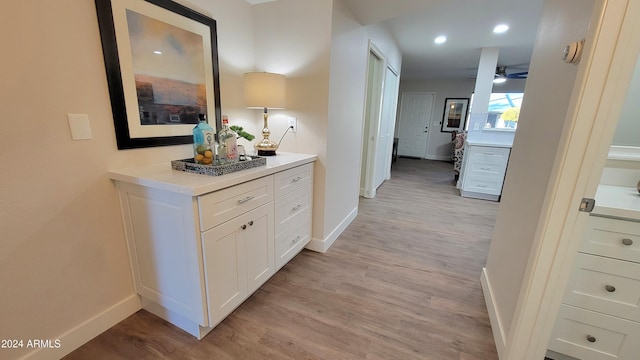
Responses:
[227,143]
[203,142]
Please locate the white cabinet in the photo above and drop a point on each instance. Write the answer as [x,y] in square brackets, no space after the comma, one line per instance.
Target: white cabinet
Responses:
[238,257]
[201,245]
[600,315]
[484,168]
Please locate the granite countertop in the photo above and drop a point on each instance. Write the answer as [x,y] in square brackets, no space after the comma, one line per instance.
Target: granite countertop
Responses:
[618,202]
[162,176]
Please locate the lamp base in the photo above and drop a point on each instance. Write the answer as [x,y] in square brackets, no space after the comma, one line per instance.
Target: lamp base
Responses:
[266,152]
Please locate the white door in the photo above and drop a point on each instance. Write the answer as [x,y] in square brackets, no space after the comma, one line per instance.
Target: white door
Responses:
[370,141]
[387,128]
[413,128]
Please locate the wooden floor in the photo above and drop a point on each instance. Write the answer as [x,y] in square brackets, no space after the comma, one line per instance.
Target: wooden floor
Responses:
[402,282]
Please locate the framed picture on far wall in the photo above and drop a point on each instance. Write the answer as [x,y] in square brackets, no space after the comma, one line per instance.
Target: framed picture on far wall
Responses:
[161,61]
[455,114]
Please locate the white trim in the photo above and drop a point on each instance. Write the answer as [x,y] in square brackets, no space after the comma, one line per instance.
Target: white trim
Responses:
[494,317]
[84,332]
[629,153]
[324,245]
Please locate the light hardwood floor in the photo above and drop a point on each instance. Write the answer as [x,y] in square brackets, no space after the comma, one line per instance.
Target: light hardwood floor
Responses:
[402,282]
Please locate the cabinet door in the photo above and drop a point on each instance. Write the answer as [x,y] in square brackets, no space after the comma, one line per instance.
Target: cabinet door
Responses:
[225,268]
[258,236]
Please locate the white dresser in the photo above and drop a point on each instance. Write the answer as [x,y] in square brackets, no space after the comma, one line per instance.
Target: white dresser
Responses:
[200,245]
[483,170]
[600,315]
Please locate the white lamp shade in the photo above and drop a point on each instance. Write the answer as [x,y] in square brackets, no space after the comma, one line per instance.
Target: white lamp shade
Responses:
[264,90]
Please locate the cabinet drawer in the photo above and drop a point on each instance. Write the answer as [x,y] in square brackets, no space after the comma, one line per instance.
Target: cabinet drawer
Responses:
[605,285]
[489,155]
[293,205]
[487,169]
[590,335]
[220,206]
[609,237]
[486,186]
[293,179]
[291,241]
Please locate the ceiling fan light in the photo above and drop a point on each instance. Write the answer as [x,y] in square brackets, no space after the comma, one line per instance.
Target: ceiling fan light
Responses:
[499,79]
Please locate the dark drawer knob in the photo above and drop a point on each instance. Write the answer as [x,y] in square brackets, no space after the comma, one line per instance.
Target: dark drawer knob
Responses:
[243,227]
[610,288]
[627,242]
[251,223]
[591,338]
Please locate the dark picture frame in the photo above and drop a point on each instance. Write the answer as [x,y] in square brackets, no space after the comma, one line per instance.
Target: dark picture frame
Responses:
[156,101]
[455,114]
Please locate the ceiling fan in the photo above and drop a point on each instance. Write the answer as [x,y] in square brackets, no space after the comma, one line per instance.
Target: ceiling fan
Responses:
[502,76]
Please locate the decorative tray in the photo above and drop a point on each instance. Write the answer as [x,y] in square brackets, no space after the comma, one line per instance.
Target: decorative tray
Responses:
[189,165]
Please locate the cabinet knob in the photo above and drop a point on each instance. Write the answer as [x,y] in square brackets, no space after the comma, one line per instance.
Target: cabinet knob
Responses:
[296,207]
[610,288]
[243,227]
[251,223]
[296,179]
[627,242]
[591,338]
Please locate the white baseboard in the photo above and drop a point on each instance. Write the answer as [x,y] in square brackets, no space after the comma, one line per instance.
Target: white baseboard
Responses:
[322,246]
[89,329]
[496,325]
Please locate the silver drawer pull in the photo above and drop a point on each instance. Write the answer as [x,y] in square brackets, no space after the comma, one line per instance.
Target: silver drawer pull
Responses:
[296,207]
[296,179]
[248,198]
[296,239]
[610,288]
[591,338]
[485,169]
[627,242]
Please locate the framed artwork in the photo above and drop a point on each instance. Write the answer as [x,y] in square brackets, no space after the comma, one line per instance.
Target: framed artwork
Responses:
[161,60]
[455,114]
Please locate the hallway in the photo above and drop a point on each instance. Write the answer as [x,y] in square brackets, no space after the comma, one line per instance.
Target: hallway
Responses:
[402,282]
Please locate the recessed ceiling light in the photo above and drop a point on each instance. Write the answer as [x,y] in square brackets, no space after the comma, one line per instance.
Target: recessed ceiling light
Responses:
[157,52]
[499,29]
[440,39]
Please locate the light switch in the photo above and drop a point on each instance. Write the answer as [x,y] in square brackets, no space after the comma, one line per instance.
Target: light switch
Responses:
[80,127]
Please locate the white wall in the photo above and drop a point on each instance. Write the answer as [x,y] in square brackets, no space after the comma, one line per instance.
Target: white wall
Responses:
[536,142]
[63,258]
[349,57]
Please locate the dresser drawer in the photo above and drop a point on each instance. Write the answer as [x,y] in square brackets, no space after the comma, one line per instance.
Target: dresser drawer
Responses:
[614,238]
[487,169]
[292,205]
[585,334]
[291,241]
[482,185]
[220,206]
[489,155]
[293,179]
[605,285]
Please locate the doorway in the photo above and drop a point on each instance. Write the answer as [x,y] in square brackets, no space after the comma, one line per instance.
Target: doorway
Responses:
[416,110]
[379,122]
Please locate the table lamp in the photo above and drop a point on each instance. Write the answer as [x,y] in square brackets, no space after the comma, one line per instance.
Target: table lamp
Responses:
[264,90]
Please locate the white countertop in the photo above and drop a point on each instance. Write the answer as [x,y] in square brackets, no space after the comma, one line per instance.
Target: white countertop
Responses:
[161,176]
[617,201]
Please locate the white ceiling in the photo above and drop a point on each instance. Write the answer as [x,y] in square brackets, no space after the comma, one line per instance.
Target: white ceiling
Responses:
[468,25]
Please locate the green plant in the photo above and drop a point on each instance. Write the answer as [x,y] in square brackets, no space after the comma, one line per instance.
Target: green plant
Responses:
[241,133]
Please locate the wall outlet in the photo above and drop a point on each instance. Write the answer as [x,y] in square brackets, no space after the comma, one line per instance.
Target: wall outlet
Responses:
[293,123]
